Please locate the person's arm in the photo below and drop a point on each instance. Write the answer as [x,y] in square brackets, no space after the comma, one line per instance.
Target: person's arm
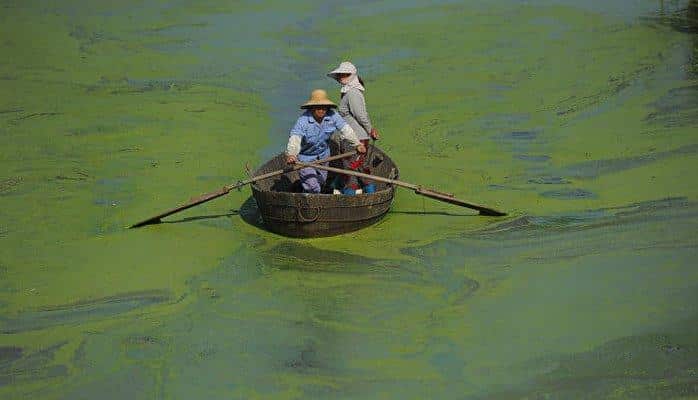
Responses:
[348,134]
[357,106]
[293,148]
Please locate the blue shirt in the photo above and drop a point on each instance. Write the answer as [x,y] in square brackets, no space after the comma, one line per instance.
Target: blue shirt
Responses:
[315,136]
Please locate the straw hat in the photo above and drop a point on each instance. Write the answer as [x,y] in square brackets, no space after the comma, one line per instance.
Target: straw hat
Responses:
[318,98]
[344,68]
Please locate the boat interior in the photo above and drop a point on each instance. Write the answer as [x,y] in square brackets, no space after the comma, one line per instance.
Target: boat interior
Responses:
[378,164]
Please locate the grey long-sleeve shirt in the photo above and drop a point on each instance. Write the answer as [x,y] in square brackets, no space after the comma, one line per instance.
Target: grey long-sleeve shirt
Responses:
[352,107]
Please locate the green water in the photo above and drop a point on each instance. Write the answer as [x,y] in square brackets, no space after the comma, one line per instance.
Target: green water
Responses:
[578,119]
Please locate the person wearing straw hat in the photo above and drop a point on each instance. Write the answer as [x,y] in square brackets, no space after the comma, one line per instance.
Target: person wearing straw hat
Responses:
[352,107]
[309,138]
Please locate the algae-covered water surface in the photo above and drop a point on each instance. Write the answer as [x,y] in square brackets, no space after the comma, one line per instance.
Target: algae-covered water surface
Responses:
[577,118]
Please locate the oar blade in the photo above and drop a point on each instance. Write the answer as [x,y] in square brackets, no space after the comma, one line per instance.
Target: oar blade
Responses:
[492,213]
[452,200]
[149,221]
[191,203]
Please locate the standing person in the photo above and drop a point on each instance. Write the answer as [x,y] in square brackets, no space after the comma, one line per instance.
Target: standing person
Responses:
[352,107]
[309,138]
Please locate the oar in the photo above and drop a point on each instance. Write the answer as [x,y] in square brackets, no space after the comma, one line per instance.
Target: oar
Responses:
[445,197]
[195,201]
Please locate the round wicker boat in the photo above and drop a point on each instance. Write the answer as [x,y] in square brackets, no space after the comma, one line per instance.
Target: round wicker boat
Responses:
[288,212]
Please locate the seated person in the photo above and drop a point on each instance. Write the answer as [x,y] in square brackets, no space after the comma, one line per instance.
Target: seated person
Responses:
[310,136]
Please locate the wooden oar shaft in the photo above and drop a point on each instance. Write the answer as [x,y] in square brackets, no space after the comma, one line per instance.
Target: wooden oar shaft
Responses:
[362,175]
[289,168]
[195,201]
[433,194]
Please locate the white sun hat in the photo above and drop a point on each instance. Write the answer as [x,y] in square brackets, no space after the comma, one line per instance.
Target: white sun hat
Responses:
[344,68]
